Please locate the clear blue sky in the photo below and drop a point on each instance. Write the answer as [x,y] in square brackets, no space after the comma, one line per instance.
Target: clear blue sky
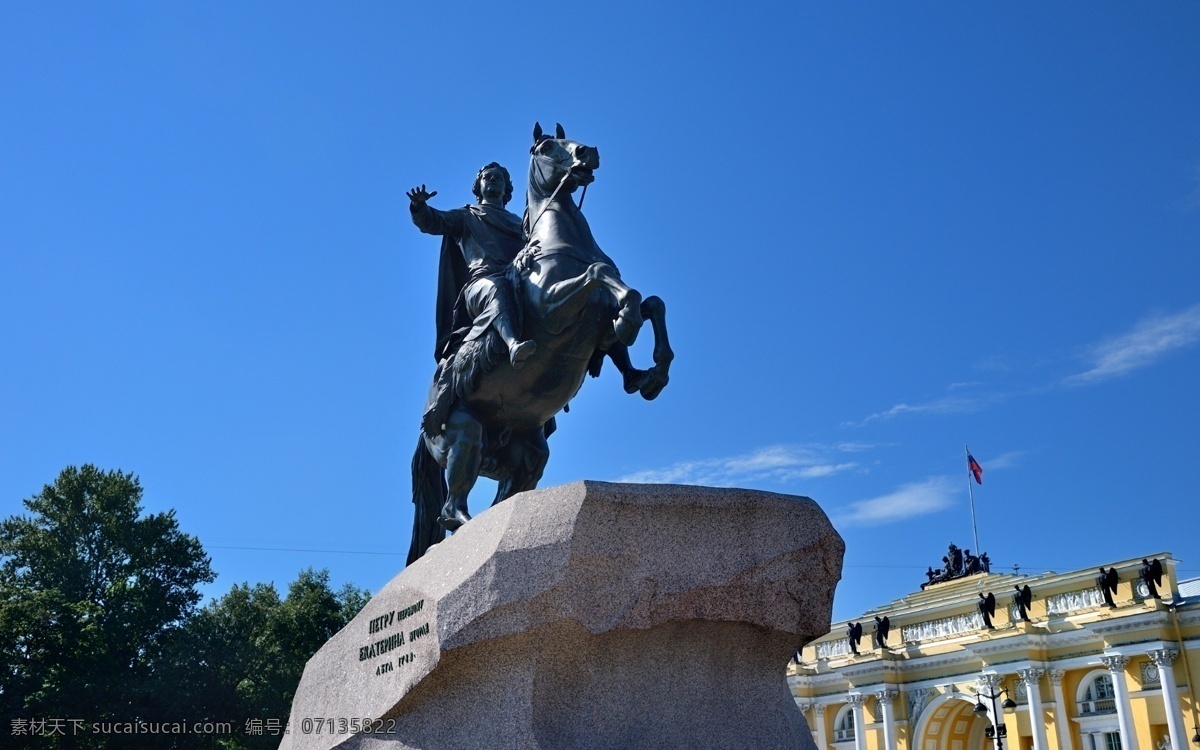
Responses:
[882,231]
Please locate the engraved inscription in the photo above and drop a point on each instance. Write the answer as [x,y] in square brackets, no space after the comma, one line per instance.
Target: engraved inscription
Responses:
[390,642]
[410,610]
[393,641]
[381,622]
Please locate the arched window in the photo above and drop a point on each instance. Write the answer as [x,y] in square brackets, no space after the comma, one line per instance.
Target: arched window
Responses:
[843,725]
[1097,695]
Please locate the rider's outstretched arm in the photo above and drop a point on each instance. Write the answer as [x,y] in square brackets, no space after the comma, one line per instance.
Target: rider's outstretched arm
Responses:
[432,221]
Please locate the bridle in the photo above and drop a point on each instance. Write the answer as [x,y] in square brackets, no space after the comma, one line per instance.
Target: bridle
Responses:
[553,195]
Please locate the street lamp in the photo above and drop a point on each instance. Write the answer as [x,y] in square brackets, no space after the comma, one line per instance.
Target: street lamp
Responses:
[996,731]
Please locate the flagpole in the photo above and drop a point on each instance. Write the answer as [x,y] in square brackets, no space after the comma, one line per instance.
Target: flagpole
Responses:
[971,494]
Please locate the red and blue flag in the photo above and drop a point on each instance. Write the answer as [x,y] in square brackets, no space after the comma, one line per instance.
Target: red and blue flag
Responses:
[975,469]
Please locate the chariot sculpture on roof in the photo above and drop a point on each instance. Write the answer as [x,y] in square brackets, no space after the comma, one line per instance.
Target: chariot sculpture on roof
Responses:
[957,563]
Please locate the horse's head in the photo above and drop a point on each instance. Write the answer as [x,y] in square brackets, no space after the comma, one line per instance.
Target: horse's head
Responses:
[557,161]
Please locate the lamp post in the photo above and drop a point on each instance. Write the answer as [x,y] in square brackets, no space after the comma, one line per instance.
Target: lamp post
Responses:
[997,731]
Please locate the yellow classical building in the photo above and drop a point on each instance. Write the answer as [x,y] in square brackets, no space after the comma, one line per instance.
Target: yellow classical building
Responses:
[1083,675]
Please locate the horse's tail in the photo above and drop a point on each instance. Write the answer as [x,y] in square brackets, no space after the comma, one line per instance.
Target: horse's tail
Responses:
[429,494]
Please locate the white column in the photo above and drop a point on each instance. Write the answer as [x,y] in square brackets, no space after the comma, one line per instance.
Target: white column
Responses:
[819,717]
[860,724]
[1166,676]
[885,698]
[1060,710]
[1116,667]
[1037,719]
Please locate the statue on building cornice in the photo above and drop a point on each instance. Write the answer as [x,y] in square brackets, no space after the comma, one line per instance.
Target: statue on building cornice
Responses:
[1152,574]
[1107,581]
[1023,600]
[987,608]
[854,632]
[882,627]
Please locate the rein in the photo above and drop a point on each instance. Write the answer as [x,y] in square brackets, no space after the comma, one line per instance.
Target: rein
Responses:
[553,195]
[537,252]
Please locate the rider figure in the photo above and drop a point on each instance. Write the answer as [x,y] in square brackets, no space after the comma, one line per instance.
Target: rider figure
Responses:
[479,241]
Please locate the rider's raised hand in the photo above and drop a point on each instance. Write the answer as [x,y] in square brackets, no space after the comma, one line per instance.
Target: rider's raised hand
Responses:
[419,196]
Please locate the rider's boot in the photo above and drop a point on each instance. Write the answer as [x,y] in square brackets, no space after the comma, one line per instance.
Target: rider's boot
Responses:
[518,351]
[434,419]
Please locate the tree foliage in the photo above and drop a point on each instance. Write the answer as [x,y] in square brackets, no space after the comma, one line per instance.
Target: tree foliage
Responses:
[99,622]
[240,659]
[90,592]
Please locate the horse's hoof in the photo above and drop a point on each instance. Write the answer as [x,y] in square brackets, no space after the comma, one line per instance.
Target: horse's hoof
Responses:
[635,380]
[653,386]
[455,521]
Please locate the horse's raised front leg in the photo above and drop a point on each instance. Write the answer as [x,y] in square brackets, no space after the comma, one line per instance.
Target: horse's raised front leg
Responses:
[463,439]
[632,376]
[629,303]
[562,301]
[648,382]
[656,310]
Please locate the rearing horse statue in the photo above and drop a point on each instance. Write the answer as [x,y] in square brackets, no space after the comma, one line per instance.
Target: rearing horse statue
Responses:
[577,309]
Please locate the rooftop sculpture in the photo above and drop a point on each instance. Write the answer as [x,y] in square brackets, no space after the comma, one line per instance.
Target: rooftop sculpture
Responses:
[957,563]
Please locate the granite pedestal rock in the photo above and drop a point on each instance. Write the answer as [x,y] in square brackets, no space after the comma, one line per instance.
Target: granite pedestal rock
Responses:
[586,616]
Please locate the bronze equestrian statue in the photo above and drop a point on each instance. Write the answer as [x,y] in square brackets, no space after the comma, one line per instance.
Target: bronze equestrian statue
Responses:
[525,312]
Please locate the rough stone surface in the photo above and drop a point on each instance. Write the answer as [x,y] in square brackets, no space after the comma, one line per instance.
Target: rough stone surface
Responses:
[591,615]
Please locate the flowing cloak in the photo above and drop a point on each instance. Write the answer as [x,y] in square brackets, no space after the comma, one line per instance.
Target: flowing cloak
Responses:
[453,273]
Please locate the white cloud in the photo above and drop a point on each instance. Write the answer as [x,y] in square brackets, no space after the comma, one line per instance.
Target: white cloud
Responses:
[915,499]
[824,470]
[775,462]
[1004,460]
[850,446]
[995,363]
[964,384]
[944,405]
[1148,342]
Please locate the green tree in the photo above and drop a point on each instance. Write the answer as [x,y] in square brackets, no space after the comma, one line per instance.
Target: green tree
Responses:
[91,592]
[98,622]
[241,657]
